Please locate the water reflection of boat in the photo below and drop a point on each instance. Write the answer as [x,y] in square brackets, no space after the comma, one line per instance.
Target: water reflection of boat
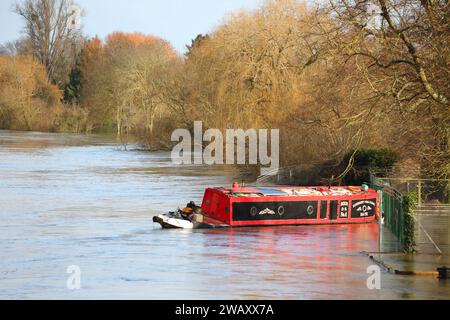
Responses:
[265,206]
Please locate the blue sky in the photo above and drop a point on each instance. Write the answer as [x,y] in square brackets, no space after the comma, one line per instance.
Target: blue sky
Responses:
[177,21]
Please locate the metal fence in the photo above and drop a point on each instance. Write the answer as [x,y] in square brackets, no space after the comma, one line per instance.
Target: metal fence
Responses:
[432,195]
[391,207]
[429,191]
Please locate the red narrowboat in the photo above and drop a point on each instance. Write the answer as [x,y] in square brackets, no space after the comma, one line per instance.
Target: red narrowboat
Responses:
[282,205]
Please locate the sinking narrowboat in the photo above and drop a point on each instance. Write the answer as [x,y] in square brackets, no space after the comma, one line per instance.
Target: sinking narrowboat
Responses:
[277,205]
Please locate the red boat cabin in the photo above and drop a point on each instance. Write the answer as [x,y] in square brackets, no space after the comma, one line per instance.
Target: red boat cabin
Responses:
[262,206]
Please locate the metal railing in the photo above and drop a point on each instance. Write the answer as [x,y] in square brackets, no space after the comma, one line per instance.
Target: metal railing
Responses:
[391,201]
[400,218]
[435,191]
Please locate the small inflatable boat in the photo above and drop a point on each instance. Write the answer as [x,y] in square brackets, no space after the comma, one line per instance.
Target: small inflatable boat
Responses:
[172,220]
[190,217]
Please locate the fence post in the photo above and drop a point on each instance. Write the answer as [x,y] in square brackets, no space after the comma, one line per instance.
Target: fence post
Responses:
[380,219]
[419,193]
[447,187]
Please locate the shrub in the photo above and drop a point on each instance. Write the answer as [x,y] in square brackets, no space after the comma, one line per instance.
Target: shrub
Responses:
[366,161]
[410,202]
[27,97]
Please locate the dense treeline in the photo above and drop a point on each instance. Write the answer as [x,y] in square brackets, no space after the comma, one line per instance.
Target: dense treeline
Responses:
[28,101]
[334,78]
[127,85]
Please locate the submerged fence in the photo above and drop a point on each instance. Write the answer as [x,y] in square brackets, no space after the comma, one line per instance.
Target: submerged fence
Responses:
[402,198]
[394,212]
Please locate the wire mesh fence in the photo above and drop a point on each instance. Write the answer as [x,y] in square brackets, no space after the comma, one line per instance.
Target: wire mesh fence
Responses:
[429,191]
[431,212]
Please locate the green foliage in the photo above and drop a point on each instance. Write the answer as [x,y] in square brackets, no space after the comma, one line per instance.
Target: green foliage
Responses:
[366,161]
[410,202]
[72,91]
[376,158]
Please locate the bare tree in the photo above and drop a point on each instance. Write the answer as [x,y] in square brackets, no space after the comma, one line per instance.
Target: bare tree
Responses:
[15,47]
[402,49]
[409,36]
[53,34]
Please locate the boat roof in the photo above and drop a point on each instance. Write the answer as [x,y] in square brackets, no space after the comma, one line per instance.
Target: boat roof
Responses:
[286,191]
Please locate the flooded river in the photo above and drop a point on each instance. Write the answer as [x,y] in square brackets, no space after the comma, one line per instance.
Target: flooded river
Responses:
[84,201]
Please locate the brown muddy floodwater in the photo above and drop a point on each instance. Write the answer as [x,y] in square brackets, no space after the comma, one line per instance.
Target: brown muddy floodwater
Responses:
[83,200]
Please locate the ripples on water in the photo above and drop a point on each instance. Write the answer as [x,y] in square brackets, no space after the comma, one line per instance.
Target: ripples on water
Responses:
[82,200]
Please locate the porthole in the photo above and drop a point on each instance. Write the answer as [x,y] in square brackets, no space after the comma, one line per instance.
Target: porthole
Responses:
[280,210]
[310,210]
[253,211]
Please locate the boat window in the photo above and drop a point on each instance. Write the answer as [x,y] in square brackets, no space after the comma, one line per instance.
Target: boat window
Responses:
[333,209]
[323,209]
